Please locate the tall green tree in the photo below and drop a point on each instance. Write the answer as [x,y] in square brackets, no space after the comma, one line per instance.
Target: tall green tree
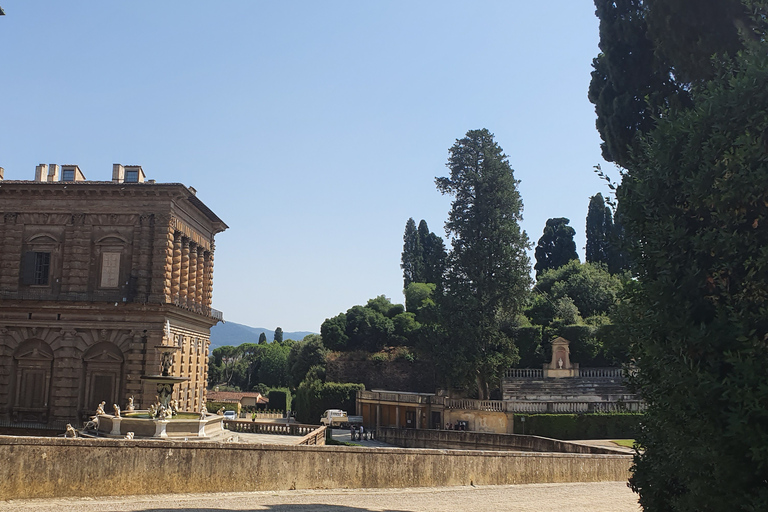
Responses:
[278,335]
[556,246]
[487,274]
[413,255]
[434,254]
[599,231]
[695,199]
[262,338]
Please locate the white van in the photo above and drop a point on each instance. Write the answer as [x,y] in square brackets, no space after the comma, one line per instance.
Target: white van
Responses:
[334,418]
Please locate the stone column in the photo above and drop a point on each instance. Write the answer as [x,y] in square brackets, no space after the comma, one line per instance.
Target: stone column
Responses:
[184,277]
[176,268]
[378,415]
[397,416]
[192,276]
[200,276]
[209,280]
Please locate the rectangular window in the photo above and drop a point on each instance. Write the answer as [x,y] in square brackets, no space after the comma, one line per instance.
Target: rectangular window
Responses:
[37,267]
[68,175]
[110,269]
[132,176]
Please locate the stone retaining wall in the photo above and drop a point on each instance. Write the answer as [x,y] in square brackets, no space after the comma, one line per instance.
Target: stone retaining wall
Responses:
[460,440]
[58,467]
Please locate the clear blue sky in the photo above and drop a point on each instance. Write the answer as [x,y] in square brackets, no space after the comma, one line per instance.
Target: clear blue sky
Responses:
[313,129]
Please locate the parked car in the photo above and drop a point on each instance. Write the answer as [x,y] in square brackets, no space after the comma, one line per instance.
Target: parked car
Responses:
[230,415]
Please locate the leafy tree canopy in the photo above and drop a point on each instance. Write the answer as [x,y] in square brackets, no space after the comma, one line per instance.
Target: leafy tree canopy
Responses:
[556,246]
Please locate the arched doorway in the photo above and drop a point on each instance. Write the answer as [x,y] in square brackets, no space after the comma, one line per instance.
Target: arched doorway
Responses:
[103,367]
[33,363]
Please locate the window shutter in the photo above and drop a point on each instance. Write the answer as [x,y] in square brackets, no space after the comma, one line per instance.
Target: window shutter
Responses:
[28,267]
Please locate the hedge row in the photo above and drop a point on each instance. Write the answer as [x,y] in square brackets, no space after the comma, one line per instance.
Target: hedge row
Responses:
[315,397]
[619,425]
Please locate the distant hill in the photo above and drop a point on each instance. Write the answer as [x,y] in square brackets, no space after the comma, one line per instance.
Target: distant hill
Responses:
[233,334]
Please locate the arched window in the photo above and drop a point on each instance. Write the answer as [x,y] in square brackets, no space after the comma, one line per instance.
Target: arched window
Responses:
[103,366]
[33,363]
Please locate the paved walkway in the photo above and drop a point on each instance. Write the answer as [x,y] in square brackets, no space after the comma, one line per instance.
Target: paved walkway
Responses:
[589,497]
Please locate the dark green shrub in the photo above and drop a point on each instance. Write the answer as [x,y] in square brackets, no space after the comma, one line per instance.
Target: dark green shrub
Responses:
[279,399]
[314,397]
[619,425]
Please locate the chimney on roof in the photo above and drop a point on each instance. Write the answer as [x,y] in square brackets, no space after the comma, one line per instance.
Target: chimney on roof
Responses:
[118,173]
[41,172]
[53,172]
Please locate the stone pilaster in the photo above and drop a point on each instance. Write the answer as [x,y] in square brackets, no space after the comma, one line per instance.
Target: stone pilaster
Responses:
[10,263]
[67,375]
[77,257]
[162,260]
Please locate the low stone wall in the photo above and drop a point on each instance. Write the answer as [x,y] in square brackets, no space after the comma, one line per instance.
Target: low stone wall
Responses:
[58,467]
[459,440]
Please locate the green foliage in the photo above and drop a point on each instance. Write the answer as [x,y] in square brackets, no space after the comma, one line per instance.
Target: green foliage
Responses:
[695,199]
[314,397]
[214,407]
[262,338]
[334,332]
[579,426]
[413,254]
[599,231]
[434,255]
[280,399]
[371,327]
[273,370]
[591,287]
[304,355]
[556,246]
[487,273]
[528,343]
[278,335]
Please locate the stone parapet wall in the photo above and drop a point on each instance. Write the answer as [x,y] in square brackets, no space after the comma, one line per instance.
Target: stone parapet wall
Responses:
[47,467]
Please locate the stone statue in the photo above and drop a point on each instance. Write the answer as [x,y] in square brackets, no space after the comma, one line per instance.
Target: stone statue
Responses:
[100,408]
[560,363]
[152,411]
[117,410]
[93,424]
[129,407]
[174,406]
[203,412]
[220,412]
[70,432]
[129,435]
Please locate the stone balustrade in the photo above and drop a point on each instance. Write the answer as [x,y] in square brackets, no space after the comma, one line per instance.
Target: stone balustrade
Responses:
[524,373]
[280,429]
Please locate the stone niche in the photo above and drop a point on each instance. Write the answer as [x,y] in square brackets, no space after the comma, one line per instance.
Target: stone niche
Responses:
[560,366]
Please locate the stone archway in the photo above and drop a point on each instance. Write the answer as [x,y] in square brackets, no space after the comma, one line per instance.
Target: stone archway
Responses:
[103,376]
[33,364]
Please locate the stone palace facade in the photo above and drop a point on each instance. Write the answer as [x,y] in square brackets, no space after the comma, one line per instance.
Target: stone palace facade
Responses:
[94,275]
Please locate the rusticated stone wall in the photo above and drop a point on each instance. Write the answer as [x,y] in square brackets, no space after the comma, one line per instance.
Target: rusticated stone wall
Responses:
[47,467]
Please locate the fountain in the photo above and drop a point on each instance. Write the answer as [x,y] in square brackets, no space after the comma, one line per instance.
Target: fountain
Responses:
[162,419]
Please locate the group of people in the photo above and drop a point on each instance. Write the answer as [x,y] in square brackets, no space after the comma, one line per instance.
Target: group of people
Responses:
[358,433]
[460,425]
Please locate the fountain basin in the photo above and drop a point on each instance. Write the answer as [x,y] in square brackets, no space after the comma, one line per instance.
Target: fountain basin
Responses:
[190,427]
